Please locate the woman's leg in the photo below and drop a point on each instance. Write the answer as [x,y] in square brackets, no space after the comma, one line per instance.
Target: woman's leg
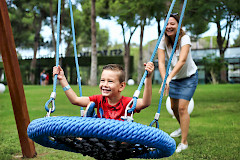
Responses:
[184,119]
[174,106]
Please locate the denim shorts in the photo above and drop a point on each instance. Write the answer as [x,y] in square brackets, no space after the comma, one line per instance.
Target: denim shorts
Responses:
[183,88]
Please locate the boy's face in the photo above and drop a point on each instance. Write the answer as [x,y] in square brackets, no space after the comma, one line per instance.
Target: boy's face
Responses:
[110,85]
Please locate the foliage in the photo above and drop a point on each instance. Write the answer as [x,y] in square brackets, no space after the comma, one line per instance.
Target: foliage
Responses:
[208,39]
[213,66]
[220,13]
[237,41]
[23,14]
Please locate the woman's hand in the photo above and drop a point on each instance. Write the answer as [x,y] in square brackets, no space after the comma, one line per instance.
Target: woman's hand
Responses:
[59,71]
[166,89]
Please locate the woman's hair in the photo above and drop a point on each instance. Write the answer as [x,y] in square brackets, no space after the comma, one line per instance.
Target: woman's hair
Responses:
[168,40]
[116,68]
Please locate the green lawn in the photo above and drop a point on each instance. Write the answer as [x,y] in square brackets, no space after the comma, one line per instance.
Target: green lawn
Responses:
[213,134]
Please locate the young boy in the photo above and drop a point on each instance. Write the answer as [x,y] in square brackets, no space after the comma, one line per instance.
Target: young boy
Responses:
[112,83]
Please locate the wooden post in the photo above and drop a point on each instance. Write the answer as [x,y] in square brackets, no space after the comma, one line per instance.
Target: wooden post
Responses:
[14,80]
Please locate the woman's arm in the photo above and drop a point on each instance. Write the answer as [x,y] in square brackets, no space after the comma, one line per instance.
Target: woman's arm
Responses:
[161,63]
[182,60]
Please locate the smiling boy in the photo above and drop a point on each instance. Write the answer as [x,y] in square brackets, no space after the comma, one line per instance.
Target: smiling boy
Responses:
[112,83]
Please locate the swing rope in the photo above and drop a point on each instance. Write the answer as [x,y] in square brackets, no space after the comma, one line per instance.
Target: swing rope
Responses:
[75,53]
[168,66]
[137,92]
[53,94]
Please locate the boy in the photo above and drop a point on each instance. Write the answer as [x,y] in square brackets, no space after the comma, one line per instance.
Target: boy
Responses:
[112,83]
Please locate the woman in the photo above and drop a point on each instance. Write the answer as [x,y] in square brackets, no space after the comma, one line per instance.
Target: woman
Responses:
[182,79]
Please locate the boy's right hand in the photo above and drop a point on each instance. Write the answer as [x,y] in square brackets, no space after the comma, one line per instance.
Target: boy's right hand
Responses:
[59,71]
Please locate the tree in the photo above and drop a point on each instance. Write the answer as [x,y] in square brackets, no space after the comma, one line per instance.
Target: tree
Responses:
[124,12]
[213,66]
[237,41]
[193,25]
[158,10]
[52,13]
[146,11]
[143,12]
[217,12]
[32,13]
[93,74]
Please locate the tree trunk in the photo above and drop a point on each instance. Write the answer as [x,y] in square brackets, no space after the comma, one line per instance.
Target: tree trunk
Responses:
[60,34]
[126,57]
[36,43]
[93,73]
[140,62]
[126,60]
[159,27]
[220,42]
[213,77]
[52,25]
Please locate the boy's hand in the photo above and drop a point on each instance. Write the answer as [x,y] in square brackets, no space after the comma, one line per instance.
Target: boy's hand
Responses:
[149,67]
[59,71]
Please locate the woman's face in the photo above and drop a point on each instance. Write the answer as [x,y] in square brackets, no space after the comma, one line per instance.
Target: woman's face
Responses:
[171,28]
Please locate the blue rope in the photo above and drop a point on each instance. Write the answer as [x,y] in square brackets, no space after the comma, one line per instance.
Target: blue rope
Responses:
[168,66]
[173,51]
[52,98]
[152,57]
[75,51]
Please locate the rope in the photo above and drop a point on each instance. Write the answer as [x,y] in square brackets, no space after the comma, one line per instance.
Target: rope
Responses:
[169,63]
[52,98]
[75,51]
[173,51]
[53,95]
[152,57]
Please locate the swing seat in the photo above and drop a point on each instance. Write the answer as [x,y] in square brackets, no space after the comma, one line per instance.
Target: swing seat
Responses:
[96,136]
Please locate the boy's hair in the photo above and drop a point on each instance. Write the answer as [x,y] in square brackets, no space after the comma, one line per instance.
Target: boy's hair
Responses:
[181,34]
[117,68]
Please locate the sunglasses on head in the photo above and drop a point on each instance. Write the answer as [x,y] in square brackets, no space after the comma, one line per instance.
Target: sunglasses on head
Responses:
[172,14]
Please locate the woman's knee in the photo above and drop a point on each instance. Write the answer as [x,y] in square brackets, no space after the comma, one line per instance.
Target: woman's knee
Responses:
[183,110]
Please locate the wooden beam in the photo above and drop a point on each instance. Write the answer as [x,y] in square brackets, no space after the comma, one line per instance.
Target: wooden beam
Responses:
[14,81]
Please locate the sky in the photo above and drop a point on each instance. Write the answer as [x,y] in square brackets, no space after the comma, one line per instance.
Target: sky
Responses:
[115,35]
[150,32]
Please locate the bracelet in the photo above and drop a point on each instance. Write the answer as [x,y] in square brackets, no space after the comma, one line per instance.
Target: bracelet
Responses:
[66,88]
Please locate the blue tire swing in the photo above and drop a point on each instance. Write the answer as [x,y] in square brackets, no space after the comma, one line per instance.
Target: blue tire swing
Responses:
[99,137]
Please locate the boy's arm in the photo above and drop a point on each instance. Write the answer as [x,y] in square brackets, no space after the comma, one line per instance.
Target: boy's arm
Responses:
[71,95]
[147,94]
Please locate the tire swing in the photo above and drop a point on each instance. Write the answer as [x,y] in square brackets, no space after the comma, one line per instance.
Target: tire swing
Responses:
[103,138]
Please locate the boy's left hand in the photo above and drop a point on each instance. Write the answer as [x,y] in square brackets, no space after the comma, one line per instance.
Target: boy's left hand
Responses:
[149,67]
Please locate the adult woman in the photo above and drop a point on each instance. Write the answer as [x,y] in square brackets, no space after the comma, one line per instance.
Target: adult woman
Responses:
[182,79]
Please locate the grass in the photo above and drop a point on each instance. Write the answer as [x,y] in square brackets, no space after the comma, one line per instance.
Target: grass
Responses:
[213,133]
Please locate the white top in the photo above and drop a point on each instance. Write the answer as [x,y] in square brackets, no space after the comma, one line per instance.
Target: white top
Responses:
[189,68]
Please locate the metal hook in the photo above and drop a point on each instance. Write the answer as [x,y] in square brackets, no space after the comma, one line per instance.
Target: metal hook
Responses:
[51,100]
[126,117]
[49,112]
[156,118]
